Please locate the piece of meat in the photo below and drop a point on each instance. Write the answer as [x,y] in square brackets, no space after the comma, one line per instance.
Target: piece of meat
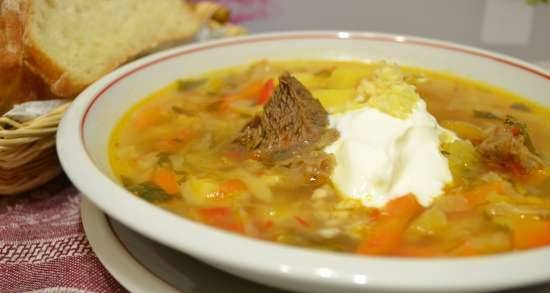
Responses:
[292,121]
[509,147]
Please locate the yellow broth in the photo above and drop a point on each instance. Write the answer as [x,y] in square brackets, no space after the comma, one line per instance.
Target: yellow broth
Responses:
[172,150]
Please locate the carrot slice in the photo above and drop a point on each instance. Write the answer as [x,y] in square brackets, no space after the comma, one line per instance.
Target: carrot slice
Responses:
[385,236]
[166,145]
[531,234]
[166,179]
[252,90]
[266,92]
[148,118]
[221,217]
[267,225]
[403,207]
[232,186]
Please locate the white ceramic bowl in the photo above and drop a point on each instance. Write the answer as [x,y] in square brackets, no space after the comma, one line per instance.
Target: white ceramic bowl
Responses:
[84,133]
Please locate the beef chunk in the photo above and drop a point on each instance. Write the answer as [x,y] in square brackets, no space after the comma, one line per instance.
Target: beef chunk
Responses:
[509,147]
[292,121]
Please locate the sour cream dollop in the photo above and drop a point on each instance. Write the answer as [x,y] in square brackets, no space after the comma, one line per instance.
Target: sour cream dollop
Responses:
[380,157]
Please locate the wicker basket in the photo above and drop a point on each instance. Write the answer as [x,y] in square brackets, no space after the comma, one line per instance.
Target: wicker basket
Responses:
[27,152]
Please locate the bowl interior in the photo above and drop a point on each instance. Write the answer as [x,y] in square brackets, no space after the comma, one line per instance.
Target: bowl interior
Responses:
[153,73]
[84,135]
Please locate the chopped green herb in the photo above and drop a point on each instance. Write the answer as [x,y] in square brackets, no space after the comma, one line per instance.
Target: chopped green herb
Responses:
[325,72]
[486,115]
[520,107]
[178,110]
[149,192]
[163,159]
[183,178]
[126,181]
[190,84]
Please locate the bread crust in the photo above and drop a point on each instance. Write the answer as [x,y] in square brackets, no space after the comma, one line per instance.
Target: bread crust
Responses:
[60,81]
[56,77]
[17,83]
[12,17]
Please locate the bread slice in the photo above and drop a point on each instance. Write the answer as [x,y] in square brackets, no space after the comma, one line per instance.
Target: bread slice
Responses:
[72,43]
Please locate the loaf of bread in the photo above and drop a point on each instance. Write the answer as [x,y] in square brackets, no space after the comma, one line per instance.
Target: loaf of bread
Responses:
[58,47]
[17,82]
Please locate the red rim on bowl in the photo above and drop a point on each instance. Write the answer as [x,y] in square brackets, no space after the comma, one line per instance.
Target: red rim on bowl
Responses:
[370,37]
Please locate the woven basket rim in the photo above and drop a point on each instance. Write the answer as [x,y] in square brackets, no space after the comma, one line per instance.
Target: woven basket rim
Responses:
[27,151]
